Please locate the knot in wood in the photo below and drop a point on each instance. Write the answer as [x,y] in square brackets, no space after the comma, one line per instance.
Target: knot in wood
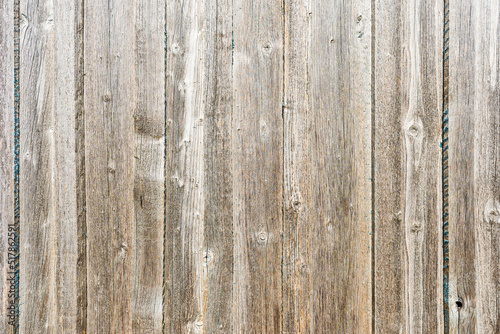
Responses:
[416,226]
[106,98]
[208,256]
[267,47]
[262,237]
[492,211]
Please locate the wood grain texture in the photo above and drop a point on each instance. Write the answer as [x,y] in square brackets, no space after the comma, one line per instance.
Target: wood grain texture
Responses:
[408,251]
[339,67]
[257,151]
[462,281]
[110,102]
[6,156]
[186,101]
[149,122]
[474,152]
[297,241]
[218,233]
[48,174]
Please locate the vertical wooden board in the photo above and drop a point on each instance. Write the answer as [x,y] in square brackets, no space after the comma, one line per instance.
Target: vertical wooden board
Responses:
[81,266]
[6,159]
[186,100]
[296,172]
[110,101]
[149,117]
[474,152]
[48,167]
[37,211]
[462,96]
[407,157]
[486,17]
[257,147]
[218,225]
[339,67]
[64,176]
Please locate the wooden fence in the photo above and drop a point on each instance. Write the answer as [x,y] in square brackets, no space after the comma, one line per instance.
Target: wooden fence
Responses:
[250,166]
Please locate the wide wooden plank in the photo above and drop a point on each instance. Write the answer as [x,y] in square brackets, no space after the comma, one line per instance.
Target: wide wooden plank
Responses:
[48,257]
[7,231]
[407,157]
[257,152]
[474,153]
[149,121]
[339,67]
[110,93]
[297,311]
[186,102]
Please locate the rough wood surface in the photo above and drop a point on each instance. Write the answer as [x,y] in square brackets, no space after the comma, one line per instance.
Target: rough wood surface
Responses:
[149,123]
[110,100]
[265,166]
[257,153]
[186,87]
[474,153]
[218,238]
[297,241]
[47,167]
[407,156]
[6,157]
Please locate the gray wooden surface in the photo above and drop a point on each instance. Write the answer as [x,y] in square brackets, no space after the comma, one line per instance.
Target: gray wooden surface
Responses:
[474,174]
[265,166]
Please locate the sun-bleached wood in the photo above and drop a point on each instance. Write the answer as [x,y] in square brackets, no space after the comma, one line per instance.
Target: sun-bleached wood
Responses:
[474,175]
[110,100]
[186,101]
[48,252]
[149,150]
[407,156]
[257,154]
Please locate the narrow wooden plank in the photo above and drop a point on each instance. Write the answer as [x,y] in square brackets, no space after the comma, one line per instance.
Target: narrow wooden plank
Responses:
[37,214]
[48,167]
[297,275]
[407,157]
[257,134]
[110,101]
[61,18]
[218,233]
[149,116]
[185,278]
[81,266]
[339,67]
[474,152]
[462,273]
[47,172]
[7,288]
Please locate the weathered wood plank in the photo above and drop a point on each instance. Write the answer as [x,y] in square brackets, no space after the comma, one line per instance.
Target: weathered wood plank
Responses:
[407,157]
[65,236]
[185,278]
[218,233]
[339,67]
[297,312]
[6,160]
[149,116]
[110,101]
[81,265]
[462,274]
[257,151]
[474,153]
[48,260]
[37,214]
